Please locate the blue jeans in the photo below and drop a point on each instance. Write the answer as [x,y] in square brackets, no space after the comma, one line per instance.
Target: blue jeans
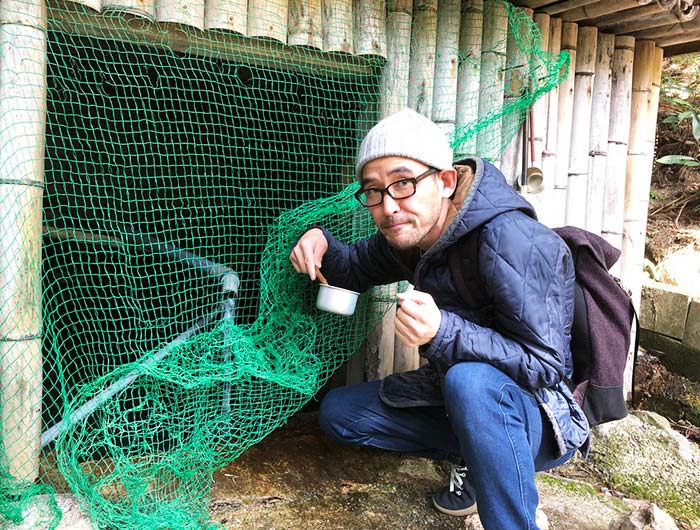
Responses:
[495,426]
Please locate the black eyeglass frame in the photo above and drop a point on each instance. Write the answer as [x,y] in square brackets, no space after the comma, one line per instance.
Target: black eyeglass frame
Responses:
[387,190]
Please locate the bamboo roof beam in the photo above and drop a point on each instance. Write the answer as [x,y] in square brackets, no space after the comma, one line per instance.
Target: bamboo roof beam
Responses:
[614,8]
[534,4]
[23,48]
[629,27]
[560,7]
[673,40]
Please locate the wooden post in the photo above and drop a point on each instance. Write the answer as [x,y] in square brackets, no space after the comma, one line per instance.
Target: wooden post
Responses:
[422,69]
[580,135]
[370,27]
[547,212]
[618,135]
[305,21]
[468,76]
[569,39]
[268,19]
[446,64]
[516,85]
[142,8]
[229,15]
[493,62]
[394,82]
[600,119]
[22,130]
[646,74]
[337,26]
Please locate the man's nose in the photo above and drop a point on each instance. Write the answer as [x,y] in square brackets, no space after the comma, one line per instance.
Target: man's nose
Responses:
[389,204]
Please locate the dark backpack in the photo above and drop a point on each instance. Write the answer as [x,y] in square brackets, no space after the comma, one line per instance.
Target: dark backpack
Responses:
[603,317]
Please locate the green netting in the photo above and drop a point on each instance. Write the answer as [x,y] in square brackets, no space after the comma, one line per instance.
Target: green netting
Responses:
[179,166]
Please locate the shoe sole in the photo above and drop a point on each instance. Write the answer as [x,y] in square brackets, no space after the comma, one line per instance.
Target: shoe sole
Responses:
[455,513]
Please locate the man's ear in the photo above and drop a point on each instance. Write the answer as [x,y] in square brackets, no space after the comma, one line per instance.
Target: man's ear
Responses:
[449,182]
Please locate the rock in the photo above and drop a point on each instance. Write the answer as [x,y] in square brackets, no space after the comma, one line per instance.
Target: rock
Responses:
[647,517]
[644,457]
[37,515]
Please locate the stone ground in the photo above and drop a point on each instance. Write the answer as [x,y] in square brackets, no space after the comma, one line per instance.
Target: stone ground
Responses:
[298,479]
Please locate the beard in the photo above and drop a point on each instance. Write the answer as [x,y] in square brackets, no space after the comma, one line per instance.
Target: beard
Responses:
[404,231]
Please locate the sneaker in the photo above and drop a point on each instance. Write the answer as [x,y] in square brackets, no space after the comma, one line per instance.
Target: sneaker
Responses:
[458,498]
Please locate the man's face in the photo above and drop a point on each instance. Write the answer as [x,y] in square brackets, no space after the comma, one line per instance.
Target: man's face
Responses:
[415,221]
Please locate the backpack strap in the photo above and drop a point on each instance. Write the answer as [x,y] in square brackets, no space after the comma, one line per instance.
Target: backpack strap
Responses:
[463,261]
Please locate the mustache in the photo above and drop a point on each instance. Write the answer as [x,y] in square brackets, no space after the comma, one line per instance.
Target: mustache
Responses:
[394,220]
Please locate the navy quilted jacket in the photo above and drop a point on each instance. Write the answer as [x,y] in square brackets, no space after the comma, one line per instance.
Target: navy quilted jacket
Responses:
[524,329]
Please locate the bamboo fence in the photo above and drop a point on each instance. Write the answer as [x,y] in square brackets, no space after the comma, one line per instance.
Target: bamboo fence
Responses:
[22,125]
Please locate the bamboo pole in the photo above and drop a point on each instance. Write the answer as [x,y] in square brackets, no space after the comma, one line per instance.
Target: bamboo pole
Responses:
[305,21]
[580,135]
[493,62]
[446,65]
[185,12]
[337,26]
[228,46]
[516,84]
[569,39]
[618,135]
[603,8]
[539,108]
[468,76]
[229,15]
[645,82]
[370,27]
[394,82]
[23,47]
[422,69]
[571,5]
[95,5]
[268,19]
[600,125]
[652,20]
[142,8]
[547,212]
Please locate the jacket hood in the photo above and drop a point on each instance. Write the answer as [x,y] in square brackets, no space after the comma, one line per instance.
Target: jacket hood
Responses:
[482,193]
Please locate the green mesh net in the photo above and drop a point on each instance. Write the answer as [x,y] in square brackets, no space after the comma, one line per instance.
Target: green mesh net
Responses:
[152,326]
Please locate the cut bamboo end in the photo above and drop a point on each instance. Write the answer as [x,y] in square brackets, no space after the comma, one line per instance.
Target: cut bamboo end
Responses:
[227,15]
[370,28]
[337,26]
[142,8]
[268,20]
[304,24]
[184,12]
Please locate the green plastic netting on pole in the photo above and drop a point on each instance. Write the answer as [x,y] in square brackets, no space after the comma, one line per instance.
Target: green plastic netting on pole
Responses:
[153,179]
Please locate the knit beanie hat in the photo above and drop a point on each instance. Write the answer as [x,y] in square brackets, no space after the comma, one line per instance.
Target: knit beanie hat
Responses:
[406,134]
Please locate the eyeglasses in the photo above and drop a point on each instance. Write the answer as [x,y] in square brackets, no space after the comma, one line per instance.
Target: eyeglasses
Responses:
[401,189]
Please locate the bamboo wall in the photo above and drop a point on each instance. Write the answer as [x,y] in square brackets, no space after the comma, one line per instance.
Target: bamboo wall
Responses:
[591,139]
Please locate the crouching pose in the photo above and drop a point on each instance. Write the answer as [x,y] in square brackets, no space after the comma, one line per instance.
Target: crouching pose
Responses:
[492,397]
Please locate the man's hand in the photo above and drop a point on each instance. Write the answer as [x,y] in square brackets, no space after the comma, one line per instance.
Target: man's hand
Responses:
[308,252]
[418,318]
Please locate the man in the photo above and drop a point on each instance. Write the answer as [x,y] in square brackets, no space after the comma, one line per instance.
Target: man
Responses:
[492,397]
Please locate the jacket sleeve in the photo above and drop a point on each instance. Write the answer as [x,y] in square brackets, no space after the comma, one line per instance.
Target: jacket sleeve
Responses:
[528,273]
[362,264]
